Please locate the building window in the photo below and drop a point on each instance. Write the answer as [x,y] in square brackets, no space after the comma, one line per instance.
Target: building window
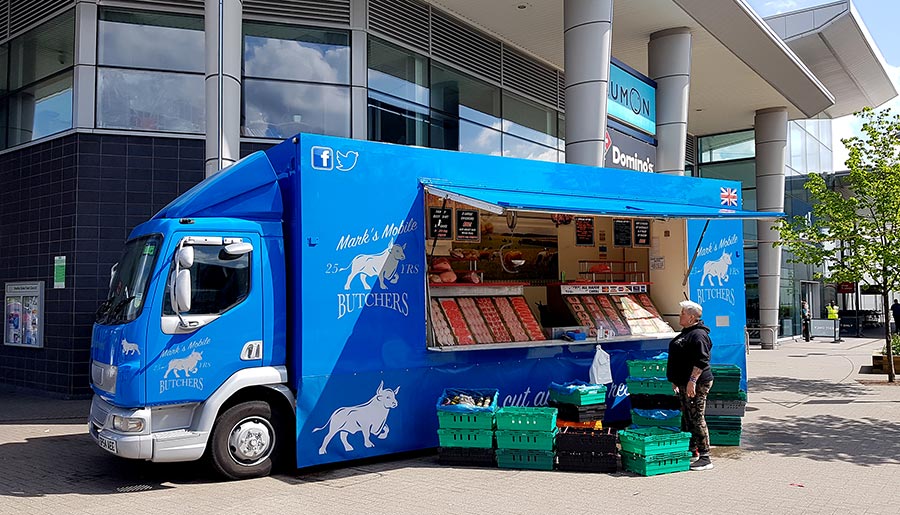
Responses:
[150,101]
[276,109]
[150,72]
[465,113]
[36,82]
[415,101]
[727,147]
[398,95]
[296,79]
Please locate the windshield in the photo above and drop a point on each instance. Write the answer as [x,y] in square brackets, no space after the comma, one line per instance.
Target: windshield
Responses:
[129,281]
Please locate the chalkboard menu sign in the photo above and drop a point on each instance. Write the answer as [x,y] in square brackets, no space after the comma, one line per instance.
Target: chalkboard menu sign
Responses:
[439,221]
[642,233]
[622,233]
[467,225]
[584,231]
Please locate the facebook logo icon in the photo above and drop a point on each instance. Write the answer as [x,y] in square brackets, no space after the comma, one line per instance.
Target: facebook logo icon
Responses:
[322,158]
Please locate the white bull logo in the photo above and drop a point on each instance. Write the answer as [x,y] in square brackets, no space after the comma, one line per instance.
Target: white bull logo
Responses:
[187,365]
[383,265]
[369,419]
[717,268]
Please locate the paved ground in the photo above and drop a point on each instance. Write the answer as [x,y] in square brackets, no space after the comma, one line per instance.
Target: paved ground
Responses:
[818,438]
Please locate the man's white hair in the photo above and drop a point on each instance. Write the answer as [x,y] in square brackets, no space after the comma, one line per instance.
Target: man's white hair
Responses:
[691,307]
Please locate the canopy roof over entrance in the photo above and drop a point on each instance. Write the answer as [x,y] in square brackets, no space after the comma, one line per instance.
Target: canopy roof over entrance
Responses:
[739,64]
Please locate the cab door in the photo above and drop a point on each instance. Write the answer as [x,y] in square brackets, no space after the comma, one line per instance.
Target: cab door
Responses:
[194,352]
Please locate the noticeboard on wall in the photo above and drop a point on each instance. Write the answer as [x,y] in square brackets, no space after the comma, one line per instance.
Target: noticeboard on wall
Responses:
[24,310]
[584,231]
[467,225]
[440,223]
[622,232]
[642,233]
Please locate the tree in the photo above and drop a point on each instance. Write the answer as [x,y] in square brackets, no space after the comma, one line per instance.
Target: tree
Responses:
[854,231]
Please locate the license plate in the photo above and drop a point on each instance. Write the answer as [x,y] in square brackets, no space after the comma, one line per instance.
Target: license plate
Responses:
[108,444]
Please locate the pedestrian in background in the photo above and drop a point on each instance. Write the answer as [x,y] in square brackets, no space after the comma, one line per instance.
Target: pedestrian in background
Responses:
[895,310]
[691,377]
[805,319]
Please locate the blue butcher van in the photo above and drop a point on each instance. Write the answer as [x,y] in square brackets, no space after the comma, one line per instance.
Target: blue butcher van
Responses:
[279,310]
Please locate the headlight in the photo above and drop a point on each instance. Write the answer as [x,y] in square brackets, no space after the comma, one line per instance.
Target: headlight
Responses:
[128,424]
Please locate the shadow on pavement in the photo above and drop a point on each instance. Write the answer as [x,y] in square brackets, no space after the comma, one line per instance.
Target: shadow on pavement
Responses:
[810,387]
[69,464]
[865,442]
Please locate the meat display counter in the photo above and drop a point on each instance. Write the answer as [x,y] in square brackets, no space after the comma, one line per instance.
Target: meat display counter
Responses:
[481,316]
[610,311]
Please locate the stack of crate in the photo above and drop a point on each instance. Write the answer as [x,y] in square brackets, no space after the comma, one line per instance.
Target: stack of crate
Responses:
[579,404]
[653,402]
[526,437]
[650,451]
[581,449]
[725,406]
[466,429]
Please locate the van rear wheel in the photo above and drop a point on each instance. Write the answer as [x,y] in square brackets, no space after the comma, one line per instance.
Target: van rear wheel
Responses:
[245,441]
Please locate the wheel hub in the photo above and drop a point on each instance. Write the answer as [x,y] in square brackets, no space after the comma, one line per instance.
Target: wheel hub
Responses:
[251,441]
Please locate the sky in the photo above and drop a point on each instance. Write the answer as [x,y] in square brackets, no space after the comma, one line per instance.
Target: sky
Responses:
[880,18]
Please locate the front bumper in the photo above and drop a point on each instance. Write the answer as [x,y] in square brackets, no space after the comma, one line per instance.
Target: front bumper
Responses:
[127,445]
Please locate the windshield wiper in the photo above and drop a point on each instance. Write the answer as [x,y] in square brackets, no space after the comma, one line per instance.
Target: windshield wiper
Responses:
[117,307]
[103,307]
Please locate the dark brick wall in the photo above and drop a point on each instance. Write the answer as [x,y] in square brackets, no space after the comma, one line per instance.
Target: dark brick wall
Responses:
[79,196]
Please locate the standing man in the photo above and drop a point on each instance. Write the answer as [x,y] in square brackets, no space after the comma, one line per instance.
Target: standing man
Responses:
[895,310]
[689,372]
[805,318]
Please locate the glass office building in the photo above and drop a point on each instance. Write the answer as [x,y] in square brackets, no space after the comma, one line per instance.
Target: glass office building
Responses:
[732,156]
[103,119]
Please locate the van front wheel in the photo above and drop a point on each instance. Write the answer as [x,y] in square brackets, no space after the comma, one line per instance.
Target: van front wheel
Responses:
[244,441]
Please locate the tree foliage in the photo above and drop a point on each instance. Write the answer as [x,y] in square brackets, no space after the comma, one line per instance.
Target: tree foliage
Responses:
[854,230]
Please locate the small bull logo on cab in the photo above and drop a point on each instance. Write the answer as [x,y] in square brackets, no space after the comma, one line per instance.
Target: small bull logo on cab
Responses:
[369,418]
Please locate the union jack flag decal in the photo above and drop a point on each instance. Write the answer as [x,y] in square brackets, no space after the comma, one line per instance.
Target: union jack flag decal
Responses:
[728,196]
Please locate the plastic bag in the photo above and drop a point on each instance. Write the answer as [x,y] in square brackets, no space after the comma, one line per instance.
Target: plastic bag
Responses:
[600,372]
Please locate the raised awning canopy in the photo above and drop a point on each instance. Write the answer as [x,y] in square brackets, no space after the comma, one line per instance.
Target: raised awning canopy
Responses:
[561,201]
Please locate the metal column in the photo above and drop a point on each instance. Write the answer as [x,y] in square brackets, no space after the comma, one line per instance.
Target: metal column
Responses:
[223,83]
[770,131]
[670,66]
[588,44]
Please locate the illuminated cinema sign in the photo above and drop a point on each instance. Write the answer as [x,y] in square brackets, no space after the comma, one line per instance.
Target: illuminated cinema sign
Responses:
[631,98]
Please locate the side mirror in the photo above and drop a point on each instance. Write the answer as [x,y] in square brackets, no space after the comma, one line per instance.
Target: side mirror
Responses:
[181,294]
[238,249]
[186,257]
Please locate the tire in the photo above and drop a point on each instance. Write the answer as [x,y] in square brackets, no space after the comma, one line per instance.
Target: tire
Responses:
[245,441]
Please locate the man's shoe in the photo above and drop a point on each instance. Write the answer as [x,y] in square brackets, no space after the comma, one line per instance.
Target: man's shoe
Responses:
[703,463]
[694,455]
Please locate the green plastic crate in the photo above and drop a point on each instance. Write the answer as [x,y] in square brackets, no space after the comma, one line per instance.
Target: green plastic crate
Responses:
[725,437]
[649,386]
[525,459]
[647,367]
[649,441]
[581,397]
[638,420]
[526,419]
[723,423]
[466,438]
[536,440]
[461,420]
[726,384]
[659,464]
[725,370]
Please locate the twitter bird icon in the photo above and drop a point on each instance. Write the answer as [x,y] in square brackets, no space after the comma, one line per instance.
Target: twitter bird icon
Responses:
[346,160]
